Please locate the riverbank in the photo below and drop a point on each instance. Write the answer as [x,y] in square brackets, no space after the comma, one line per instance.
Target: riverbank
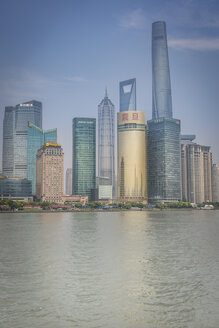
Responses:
[22,207]
[105,210]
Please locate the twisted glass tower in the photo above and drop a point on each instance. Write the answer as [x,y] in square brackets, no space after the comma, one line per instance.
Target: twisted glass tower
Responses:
[106,140]
[163,130]
[161,88]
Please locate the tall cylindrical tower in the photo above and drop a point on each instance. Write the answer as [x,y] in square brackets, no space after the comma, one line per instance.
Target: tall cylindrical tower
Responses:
[161,87]
[132,164]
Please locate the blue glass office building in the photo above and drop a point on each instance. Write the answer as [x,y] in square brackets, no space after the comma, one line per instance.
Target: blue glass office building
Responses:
[127,95]
[36,138]
[164,184]
[83,156]
[15,188]
[15,127]
[50,135]
[8,142]
[161,88]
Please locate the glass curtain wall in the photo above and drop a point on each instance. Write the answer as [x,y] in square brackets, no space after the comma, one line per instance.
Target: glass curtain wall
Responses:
[106,140]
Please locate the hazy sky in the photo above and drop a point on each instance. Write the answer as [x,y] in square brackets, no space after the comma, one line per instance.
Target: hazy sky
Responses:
[65,52]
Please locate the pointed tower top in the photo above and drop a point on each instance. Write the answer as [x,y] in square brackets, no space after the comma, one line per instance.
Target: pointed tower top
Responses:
[106,95]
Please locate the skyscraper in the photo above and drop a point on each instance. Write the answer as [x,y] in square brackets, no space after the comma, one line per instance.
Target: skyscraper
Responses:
[185,139]
[8,142]
[50,173]
[68,182]
[50,135]
[36,138]
[161,88]
[132,164]
[128,95]
[83,155]
[215,183]
[196,173]
[106,140]
[163,130]
[164,160]
[15,127]
[132,160]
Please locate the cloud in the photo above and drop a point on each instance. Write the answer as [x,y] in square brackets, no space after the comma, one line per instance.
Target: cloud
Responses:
[199,14]
[195,44]
[177,13]
[135,19]
[191,13]
[76,79]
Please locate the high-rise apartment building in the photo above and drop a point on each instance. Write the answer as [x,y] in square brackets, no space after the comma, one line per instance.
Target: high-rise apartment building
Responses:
[164,160]
[83,156]
[106,141]
[50,173]
[163,130]
[15,126]
[196,172]
[68,182]
[161,88]
[36,138]
[132,160]
[215,183]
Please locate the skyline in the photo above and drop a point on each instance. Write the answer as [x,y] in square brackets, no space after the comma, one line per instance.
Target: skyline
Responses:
[69,53]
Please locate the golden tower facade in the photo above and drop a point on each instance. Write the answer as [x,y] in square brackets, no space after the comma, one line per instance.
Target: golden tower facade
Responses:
[132,156]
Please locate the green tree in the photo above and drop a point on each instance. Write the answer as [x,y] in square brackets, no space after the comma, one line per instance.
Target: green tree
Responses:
[78,205]
[45,205]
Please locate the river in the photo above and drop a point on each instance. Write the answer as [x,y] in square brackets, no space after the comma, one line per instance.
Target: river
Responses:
[131,269]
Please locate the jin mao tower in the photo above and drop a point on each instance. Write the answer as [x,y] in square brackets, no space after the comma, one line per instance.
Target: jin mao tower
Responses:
[106,139]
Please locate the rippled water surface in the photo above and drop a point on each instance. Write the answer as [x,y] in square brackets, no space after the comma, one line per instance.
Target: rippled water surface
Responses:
[155,269]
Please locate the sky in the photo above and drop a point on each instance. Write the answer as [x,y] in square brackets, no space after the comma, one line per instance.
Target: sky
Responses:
[64,53]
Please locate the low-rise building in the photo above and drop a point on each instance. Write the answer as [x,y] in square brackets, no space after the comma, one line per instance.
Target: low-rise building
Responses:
[15,189]
[83,199]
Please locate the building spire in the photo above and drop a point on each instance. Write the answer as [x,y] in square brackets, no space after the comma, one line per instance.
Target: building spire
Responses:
[106,95]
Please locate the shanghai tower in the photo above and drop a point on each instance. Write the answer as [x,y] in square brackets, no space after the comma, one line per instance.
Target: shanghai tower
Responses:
[163,130]
[161,88]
